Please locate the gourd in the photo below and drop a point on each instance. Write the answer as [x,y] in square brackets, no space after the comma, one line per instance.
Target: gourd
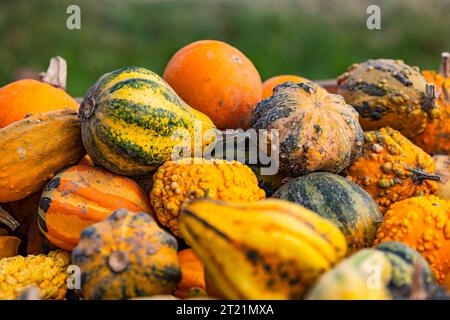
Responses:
[216,79]
[30,158]
[126,255]
[339,200]
[354,279]
[269,182]
[47,272]
[192,282]
[25,97]
[251,250]
[9,246]
[317,131]
[82,195]
[132,122]
[436,137]
[442,164]
[178,182]
[423,223]
[389,93]
[392,168]
[270,84]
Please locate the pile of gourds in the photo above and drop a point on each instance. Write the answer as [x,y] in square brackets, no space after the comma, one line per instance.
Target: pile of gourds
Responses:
[97,206]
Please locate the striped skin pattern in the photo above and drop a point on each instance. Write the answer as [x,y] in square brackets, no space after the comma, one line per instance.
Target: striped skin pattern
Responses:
[339,200]
[128,118]
[126,255]
[82,195]
[318,131]
[268,249]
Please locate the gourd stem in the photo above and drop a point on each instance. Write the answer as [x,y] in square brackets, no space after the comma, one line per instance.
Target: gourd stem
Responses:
[8,220]
[420,175]
[118,261]
[429,97]
[56,74]
[418,291]
[445,66]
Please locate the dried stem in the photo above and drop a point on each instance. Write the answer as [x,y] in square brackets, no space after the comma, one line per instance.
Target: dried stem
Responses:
[420,175]
[445,66]
[56,74]
[8,220]
[418,291]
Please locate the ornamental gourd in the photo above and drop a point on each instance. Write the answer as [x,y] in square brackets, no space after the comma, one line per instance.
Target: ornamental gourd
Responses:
[317,131]
[392,168]
[423,223]
[268,249]
[178,182]
[82,195]
[132,122]
[436,137]
[34,149]
[192,282]
[270,84]
[389,93]
[126,255]
[338,200]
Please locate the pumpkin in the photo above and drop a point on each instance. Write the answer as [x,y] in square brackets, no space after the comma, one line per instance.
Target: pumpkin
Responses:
[82,195]
[442,164]
[405,262]
[25,97]
[192,282]
[392,168]
[268,249]
[436,137]
[339,200]
[178,182]
[362,276]
[270,84]
[423,223]
[216,79]
[389,93]
[132,121]
[317,131]
[30,157]
[9,246]
[126,255]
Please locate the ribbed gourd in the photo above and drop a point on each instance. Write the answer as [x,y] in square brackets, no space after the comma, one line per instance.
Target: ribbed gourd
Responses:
[82,195]
[176,183]
[34,149]
[126,255]
[423,223]
[392,168]
[436,137]
[268,249]
[46,272]
[389,93]
[338,200]
[315,130]
[132,122]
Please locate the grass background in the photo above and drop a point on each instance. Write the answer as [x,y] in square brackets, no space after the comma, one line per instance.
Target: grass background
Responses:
[313,38]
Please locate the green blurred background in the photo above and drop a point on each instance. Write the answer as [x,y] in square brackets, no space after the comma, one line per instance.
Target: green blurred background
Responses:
[312,38]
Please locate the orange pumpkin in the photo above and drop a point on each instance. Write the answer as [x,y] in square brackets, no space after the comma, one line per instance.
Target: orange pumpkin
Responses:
[436,137]
[216,79]
[271,83]
[193,275]
[82,195]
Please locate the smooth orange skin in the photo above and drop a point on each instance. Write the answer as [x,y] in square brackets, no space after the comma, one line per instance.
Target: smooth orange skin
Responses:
[193,274]
[271,83]
[216,79]
[27,96]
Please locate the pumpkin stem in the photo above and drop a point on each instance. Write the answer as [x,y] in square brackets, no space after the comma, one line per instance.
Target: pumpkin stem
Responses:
[56,74]
[445,66]
[8,220]
[429,98]
[118,261]
[420,175]
[418,291]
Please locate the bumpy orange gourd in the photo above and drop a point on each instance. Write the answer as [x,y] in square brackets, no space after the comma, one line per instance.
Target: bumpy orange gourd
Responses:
[82,195]
[392,168]
[436,137]
[423,223]
[27,96]
[216,79]
[176,183]
[271,83]
[192,282]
